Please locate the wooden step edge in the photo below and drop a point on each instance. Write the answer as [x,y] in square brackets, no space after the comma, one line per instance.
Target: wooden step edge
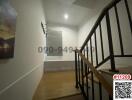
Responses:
[108,72]
[65,96]
[124,70]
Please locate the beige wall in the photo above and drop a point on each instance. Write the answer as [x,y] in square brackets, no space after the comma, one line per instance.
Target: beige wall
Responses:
[20,75]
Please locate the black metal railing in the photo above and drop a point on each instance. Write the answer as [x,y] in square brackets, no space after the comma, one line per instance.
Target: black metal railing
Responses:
[85,72]
[82,69]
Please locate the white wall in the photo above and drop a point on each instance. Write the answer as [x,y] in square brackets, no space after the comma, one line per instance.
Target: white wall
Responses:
[86,27]
[126,34]
[85,30]
[20,75]
[69,39]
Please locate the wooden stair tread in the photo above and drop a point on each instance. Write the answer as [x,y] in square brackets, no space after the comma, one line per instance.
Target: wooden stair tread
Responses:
[124,70]
[106,71]
[70,97]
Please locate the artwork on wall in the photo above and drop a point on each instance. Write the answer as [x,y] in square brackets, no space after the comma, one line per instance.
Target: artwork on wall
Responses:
[7,29]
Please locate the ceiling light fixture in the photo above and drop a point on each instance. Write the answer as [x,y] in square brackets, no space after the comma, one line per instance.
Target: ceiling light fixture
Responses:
[66,16]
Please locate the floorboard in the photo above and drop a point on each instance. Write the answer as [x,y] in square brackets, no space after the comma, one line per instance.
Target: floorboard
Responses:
[55,85]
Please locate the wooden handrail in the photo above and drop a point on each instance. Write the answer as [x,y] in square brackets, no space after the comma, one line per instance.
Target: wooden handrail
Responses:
[102,80]
[101,16]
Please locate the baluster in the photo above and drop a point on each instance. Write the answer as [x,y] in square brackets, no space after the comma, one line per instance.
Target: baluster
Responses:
[85,57]
[101,38]
[96,50]
[129,15]
[92,72]
[86,75]
[87,83]
[79,69]
[92,80]
[100,91]
[110,98]
[86,68]
[87,51]
[91,51]
[112,60]
[119,30]
[76,71]
[82,76]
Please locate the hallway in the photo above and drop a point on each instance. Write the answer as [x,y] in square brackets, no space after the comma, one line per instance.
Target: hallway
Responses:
[56,84]
[42,41]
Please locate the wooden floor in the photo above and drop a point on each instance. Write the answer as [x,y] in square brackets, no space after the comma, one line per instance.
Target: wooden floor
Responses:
[55,85]
[72,97]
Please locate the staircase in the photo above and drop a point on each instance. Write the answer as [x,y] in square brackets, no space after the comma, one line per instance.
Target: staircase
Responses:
[95,83]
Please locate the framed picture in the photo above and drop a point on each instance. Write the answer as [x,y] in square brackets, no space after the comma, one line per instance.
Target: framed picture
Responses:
[7,29]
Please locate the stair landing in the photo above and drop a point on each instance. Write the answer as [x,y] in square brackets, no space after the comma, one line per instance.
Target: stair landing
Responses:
[55,85]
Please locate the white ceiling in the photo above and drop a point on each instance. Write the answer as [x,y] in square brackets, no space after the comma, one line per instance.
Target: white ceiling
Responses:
[78,10]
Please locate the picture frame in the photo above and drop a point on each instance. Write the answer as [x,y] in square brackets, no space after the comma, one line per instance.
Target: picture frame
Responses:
[7,29]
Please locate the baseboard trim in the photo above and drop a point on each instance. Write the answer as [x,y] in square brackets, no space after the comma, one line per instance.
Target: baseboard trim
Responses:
[19,79]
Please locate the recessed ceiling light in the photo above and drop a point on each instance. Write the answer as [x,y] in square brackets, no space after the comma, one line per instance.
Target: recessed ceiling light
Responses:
[66,16]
